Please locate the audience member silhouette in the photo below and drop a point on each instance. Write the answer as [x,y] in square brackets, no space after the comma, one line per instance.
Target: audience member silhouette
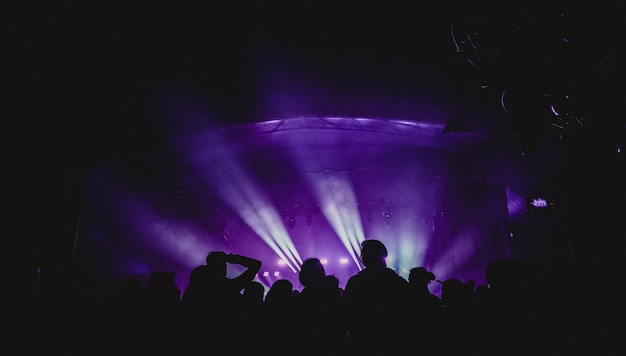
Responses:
[252,317]
[379,313]
[319,308]
[254,294]
[458,318]
[376,300]
[129,295]
[162,299]
[424,313]
[279,313]
[456,295]
[217,263]
[209,286]
[510,307]
[311,273]
[162,291]
[419,279]
[212,302]
[280,293]
[124,321]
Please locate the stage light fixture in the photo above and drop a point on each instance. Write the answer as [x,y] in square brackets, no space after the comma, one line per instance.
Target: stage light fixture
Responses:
[538,203]
[387,217]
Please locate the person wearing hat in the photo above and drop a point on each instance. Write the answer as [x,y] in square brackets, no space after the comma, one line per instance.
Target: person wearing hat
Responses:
[419,279]
[426,313]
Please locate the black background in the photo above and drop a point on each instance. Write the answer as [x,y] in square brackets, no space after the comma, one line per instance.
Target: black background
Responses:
[82,81]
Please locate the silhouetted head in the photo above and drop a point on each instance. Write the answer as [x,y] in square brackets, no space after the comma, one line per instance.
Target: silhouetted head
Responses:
[373,253]
[216,264]
[331,287]
[420,275]
[280,292]
[199,276]
[161,287]
[455,293]
[254,292]
[312,272]
[331,281]
[129,292]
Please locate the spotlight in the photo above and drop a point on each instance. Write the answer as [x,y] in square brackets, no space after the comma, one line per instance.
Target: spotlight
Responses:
[266,274]
[282,262]
[343,261]
[276,274]
[323,261]
[339,206]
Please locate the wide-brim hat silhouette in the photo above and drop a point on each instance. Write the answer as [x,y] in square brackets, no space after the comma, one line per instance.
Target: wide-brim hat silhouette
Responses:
[421,274]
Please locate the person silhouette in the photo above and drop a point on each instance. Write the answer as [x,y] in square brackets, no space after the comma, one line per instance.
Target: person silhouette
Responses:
[425,313]
[253,294]
[278,312]
[212,302]
[252,314]
[217,262]
[319,308]
[375,300]
[162,291]
[419,279]
[209,283]
[161,313]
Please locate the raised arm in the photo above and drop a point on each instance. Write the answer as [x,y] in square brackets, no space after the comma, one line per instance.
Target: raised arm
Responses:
[253,267]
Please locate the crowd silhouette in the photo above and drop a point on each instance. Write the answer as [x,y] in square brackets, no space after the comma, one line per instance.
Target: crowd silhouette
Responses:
[518,312]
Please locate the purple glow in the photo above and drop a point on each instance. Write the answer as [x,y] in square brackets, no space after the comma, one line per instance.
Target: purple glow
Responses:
[220,166]
[515,204]
[323,261]
[344,168]
[460,251]
[156,232]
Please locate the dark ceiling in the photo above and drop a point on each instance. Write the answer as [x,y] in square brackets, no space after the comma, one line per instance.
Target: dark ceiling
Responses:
[88,83]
